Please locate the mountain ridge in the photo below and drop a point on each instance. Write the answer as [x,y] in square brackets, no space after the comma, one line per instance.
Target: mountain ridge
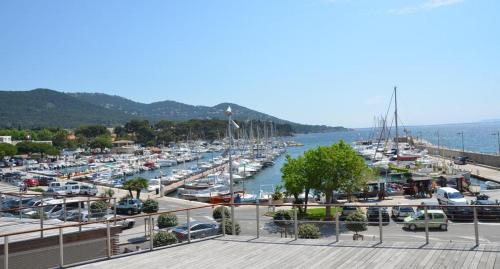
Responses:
[49,108]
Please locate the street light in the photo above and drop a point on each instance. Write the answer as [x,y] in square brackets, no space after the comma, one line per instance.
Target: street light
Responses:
[463,147]
[230,123]
[498,139]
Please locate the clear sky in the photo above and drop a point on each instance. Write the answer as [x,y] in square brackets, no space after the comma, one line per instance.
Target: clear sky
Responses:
[312,61]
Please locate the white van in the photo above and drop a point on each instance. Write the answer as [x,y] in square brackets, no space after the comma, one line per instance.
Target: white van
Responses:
[88,189]
[57,185]
[450,196]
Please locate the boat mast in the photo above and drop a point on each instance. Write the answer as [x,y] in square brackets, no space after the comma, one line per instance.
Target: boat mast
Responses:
[396,120]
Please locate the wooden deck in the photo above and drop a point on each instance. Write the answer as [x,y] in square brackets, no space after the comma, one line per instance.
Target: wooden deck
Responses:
[247,252]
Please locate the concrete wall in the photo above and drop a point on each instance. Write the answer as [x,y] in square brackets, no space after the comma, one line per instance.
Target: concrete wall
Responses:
[479,158]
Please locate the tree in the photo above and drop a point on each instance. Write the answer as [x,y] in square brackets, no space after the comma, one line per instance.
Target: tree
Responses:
[91,131]
[347,168]
[101,142]
[218,211]
[7,150]
[309,231]
[136,184]
[294,176]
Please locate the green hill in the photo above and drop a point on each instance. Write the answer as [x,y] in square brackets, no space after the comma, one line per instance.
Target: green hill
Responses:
[48,108]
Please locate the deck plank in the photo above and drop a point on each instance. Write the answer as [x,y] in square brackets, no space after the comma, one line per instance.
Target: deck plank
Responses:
[284,253]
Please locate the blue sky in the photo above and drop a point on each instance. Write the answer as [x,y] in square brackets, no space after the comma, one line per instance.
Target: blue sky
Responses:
[312,61]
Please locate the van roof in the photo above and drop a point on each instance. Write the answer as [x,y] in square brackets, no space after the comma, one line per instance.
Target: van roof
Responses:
[448,189]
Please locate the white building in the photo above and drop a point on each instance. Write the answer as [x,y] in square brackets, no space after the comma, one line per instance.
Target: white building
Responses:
[6,139]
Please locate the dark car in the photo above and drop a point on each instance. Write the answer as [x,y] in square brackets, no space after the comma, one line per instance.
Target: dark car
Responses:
[459,213]
[461,160]
[346,211]
[129,207]
[431,205]
[484,212]
[198,230]
[373,214]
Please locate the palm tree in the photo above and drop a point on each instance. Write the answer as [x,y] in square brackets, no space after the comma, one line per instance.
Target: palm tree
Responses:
[136,184]
[140,184]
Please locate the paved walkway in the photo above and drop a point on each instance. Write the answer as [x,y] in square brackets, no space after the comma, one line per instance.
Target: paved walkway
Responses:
[247,252]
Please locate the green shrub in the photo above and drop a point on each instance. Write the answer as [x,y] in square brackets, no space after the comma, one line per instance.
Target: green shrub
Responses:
[163,238]
[309,231]
[37,189]
[36,215]
[217,213]
[356,222]
[98,208]
[282,217]
[229,227]
[150,206]
[167,220]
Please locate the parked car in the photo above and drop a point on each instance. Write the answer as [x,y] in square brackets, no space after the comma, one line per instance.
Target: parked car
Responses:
[125,223]
[487,213]
[88,189]
[129,206]
[347,210]
[430,205]
[460,160]
[372,214]
[400,212]
[31,182]
[436,219]
[45,181]
[198,230]
[450,196]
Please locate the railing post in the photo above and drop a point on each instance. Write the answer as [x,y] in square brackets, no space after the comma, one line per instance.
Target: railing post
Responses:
[64,210]
[337,226]
[61,248]
[476,226]
[41,214]
[223,221]
[233,223]
[151,246]
[114,208]
[80,216]
[21,205]
[6,252]
[295,224]
[88,209]
[257,218]
[426,222]
[189,226]
[108,239]
[380,228]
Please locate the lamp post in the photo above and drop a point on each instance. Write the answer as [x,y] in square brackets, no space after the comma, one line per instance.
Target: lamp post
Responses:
[229,113]
[463,147]
[439,143]
[498,140]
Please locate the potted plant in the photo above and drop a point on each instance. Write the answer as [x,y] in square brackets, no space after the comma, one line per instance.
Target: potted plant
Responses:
[356,222]
[278,195]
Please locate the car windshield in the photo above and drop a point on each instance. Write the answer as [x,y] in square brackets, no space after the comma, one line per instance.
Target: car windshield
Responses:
[406,209]
[455,195]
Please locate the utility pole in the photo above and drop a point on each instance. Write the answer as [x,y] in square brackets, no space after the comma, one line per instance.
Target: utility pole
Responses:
[439,144]
[498,140]
[463,146]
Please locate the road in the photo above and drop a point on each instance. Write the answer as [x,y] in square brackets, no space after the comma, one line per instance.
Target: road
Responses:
[246,217]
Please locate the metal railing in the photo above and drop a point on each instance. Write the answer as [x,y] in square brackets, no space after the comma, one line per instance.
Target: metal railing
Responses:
[294,223]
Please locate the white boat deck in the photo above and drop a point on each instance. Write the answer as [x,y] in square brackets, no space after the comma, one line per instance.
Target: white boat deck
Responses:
[248,252]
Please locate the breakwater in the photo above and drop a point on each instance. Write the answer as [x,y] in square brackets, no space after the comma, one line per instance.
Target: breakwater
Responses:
[476,157]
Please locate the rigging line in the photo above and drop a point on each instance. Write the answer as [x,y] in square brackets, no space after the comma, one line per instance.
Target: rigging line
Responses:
[385,121]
